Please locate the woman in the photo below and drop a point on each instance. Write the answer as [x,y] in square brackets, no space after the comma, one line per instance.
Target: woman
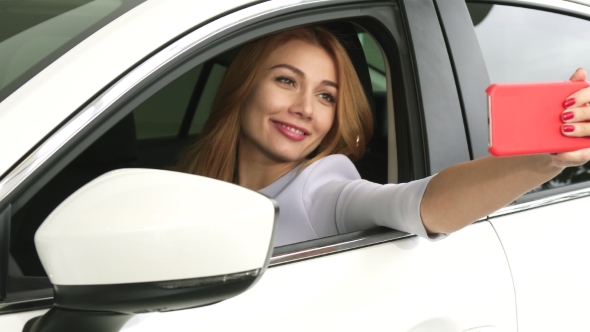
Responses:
[291,115]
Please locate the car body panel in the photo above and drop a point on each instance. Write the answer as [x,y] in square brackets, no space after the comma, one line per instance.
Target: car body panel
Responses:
[69,82]
[411,284]
[548,252]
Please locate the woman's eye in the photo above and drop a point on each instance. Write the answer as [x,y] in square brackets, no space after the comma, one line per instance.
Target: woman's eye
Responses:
[328,97]
[285,80]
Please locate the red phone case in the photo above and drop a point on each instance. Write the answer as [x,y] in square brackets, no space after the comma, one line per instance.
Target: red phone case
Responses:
[526,118]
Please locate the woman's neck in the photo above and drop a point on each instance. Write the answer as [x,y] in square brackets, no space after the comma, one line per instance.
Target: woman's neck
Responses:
[257,171]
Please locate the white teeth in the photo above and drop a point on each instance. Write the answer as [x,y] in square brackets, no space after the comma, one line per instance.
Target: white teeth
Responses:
[295,130]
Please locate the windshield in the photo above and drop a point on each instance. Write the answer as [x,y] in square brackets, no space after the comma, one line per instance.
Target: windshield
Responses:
[34,33]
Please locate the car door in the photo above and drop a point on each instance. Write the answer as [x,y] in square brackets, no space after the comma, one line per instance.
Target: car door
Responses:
[376,279]
[360,282]
[543,232]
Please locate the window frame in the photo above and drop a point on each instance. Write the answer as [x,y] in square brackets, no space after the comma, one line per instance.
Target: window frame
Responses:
[445,139]
[564,7]
[469,70]
[389,32]
[553,195]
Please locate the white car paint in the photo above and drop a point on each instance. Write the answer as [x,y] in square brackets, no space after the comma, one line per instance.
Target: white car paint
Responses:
[413,285]
[74,78]
[460,284]
[114,220]
[552,287]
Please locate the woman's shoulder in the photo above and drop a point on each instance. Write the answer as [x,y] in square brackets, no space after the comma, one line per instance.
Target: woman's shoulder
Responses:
[335,166]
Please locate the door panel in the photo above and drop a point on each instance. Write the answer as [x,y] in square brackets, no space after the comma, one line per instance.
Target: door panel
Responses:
[412,284]
[548,252]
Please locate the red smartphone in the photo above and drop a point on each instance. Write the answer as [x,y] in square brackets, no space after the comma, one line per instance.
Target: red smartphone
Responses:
[526,118]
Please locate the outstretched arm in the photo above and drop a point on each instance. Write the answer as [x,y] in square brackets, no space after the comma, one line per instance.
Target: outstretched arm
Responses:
[466,192]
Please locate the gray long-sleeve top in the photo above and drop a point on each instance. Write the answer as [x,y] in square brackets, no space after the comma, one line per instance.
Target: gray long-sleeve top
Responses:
[329,197]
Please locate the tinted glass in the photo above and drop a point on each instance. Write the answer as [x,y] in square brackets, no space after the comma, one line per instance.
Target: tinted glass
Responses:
[204,106]
[376,65]
[374,61]
[34,33]
[161,115]
[529,45]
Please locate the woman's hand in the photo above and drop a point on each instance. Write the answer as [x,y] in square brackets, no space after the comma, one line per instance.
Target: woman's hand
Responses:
[575,118]
[465,192]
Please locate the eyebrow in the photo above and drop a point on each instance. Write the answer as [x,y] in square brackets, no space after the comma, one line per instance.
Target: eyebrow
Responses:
[300,73]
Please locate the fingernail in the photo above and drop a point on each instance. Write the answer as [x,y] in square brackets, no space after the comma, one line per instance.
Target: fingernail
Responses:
[567,116]
[568,128]
[569,102]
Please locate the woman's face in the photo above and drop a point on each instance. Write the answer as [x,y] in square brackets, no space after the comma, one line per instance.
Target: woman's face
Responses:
[292,104]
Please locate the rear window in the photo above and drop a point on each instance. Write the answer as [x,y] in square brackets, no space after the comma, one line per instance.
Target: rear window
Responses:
[34,33]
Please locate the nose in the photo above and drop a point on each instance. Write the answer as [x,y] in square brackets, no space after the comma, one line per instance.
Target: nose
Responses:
[303,105]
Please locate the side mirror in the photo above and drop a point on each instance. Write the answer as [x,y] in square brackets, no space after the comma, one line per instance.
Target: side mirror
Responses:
[138,240]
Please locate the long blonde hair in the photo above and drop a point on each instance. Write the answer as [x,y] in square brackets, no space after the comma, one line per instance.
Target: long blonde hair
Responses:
[215,152]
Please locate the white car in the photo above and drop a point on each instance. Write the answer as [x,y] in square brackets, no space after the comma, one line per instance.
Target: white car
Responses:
[104,95]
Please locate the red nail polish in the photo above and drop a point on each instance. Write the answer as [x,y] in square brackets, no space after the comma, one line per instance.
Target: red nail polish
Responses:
[569,102]
[568,128]
[567,116]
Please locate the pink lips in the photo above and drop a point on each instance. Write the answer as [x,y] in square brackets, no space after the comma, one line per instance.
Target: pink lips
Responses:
[296,136]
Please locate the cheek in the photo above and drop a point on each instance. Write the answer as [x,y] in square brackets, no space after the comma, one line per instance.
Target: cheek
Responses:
[251,123]
[251,113]
[325,122]
[264,102]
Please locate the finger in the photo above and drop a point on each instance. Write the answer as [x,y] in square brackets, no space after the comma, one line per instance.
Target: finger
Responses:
[576,129]
[579,75]
[580,97]
[579,114]
[577,99]
[578,157]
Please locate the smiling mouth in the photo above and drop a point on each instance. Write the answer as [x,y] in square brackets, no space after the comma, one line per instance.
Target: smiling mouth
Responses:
[291,129]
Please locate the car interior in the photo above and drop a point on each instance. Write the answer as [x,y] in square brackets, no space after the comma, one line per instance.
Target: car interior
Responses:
[163,126]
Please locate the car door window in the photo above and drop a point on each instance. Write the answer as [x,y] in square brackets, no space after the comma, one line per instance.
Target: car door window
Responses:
[161,115]
[377,73]
[532,45]
[154,135]
[204,104]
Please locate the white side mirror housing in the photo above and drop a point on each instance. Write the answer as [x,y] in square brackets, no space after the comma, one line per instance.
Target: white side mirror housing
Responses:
[139,240]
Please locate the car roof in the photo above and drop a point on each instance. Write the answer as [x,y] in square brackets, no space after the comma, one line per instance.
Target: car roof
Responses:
[41,104]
